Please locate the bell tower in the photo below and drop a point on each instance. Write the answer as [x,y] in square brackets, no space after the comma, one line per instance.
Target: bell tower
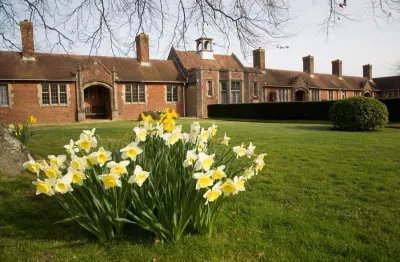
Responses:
[205,48]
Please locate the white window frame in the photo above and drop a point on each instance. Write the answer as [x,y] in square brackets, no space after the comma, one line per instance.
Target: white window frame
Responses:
[173,93]
[224,92]
[141,89]
[50,93]
[283,94]
[330,95]
[7,93]
[344,94]
[235,92]
[315,95]
[210,88]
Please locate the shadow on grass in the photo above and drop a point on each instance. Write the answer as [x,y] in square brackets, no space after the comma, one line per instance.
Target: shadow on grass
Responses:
[281,121]
[30,217]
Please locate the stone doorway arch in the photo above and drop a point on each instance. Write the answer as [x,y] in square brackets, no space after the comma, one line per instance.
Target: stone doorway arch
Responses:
[367,94]
[300,95]
[97,101]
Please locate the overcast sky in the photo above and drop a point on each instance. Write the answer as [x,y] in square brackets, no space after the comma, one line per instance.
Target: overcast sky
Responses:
[356,43]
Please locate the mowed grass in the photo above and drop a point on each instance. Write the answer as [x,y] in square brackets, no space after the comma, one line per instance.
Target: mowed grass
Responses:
[324,195]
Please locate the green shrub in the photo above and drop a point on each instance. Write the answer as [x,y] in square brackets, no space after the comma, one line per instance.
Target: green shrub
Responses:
[153,115]
[359,114]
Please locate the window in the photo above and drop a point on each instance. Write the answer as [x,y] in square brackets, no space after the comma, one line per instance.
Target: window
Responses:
[330,95]
[209,88]
[315,95]
[54,94]
[343,94]
[4,95]
[135,94]
[236,94]
[172,93]
[357,93]
[255,89]
[224,93]
[283,94]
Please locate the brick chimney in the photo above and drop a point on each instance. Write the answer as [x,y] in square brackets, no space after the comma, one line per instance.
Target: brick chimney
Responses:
[28,49]
[308,64]
[337,68]
[259,58]
[142,48]
[367,71]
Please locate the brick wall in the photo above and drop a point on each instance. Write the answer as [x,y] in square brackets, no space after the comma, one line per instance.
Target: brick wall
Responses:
[26,101]
[209,76]
[155,99]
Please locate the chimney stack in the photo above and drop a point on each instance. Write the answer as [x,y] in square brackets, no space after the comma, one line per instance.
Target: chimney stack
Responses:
[28,49]
[259,58]
[142,48]
[367,71]
[337,68]
[308,64]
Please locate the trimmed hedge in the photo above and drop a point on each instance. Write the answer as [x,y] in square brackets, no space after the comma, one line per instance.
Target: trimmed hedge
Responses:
[288,110]
[359,114]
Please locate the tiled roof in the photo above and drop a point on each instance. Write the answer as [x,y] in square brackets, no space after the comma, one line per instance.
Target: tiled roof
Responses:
[388,83]
[192,59]
[64,67]
[278,78]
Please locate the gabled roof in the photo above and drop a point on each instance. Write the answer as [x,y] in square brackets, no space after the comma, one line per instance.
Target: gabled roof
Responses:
[274,77]
[388,83]
[192,59]
[64,67]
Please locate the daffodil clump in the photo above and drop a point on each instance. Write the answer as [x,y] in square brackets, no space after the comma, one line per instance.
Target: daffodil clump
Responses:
[165,180]
[22,131]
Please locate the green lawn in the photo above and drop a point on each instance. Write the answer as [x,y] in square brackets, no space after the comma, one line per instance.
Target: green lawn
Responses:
[324,195]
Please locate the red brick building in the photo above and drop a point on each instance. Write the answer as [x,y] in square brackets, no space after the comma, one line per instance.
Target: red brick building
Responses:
[58,88]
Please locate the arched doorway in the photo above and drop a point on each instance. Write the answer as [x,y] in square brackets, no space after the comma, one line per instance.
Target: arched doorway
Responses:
[300,95]
[367,94]
[97,102]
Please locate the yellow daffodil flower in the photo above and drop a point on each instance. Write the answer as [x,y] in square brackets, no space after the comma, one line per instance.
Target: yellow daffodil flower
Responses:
[110,180]
[213,130]
[204,161]
[57,160]
[44,187]
[229,187]
[131,151]
[139,176]
[85,142]
[63,185]
[169,124]
[250,150]
[226,139]
[249,172]
[204,135]
[191,158]
[239,181]
[78,163]
[77,176]
[101,156]
[147,118]
[240,150]
[203,180]
[71,148]
[213,194]
[201,146]
[141,133]
[218,173]
[52,172]
[31,120]
[32,165]
[118,168]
